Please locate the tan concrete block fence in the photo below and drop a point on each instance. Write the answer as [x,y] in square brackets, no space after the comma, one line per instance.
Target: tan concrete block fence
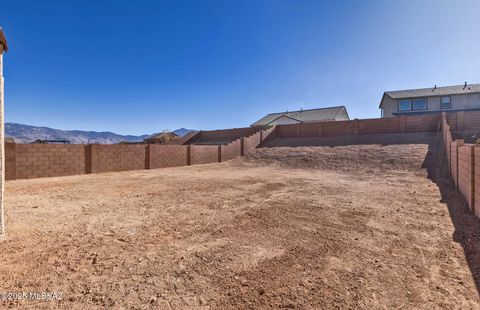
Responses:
[25,161]
[401,124]
[463,158]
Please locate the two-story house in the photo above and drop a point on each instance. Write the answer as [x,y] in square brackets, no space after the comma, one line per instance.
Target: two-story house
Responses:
[431,100]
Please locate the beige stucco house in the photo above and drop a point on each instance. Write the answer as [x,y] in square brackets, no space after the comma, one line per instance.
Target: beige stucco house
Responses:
[430,100]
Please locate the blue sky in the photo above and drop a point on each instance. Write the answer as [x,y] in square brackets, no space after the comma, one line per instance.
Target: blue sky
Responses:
[136,67]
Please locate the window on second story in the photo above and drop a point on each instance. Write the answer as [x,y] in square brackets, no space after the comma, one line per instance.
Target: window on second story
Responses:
[420,104]
[405,105]
[445,103]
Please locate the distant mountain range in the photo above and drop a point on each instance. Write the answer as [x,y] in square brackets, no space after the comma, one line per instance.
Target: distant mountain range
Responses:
[26,134]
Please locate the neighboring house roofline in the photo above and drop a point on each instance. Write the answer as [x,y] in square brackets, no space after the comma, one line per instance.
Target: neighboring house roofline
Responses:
[431,96]
[429,92]
[306,110]
[306,116]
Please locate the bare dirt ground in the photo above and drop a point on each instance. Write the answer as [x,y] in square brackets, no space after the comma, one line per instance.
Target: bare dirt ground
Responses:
[308,228]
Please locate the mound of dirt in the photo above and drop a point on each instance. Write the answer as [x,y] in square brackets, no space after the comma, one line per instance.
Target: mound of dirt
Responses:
[342,158]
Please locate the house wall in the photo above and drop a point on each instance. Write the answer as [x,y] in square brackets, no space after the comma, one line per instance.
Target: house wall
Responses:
[389,106]
[342,116]
[458,102]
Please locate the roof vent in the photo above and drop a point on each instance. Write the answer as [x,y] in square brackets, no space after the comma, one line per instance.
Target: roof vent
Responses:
[465,86]
[434,88]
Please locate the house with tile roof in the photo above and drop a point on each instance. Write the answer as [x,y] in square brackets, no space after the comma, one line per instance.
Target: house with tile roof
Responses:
[430,100]
[303,116]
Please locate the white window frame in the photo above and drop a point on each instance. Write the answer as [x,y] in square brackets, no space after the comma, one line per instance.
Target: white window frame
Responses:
[449,103]
[421,109]
[403,110]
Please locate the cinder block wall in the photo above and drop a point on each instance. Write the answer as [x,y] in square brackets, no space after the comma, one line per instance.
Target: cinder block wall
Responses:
[27,161]
[454,162]
[423,123]
[476,186]
[227,134]
[252,141]
[463,160]
[231,150]
[161,156]
[310,130]
[418,123]
[10,161]
[338,128]
[465,173]
[117,157]
[463,120]
[204,154]
[47,160]
[44,160]
[471,119]
[288,131]
[448,145]
[382,125]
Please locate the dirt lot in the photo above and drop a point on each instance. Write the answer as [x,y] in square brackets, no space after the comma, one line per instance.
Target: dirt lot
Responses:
[306,228]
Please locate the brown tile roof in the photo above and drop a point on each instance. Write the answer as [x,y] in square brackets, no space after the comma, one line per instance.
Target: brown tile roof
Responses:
[305,116]
[3,40]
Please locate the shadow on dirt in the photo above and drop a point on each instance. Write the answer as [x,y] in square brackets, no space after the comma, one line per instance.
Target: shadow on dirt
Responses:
[467,225]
